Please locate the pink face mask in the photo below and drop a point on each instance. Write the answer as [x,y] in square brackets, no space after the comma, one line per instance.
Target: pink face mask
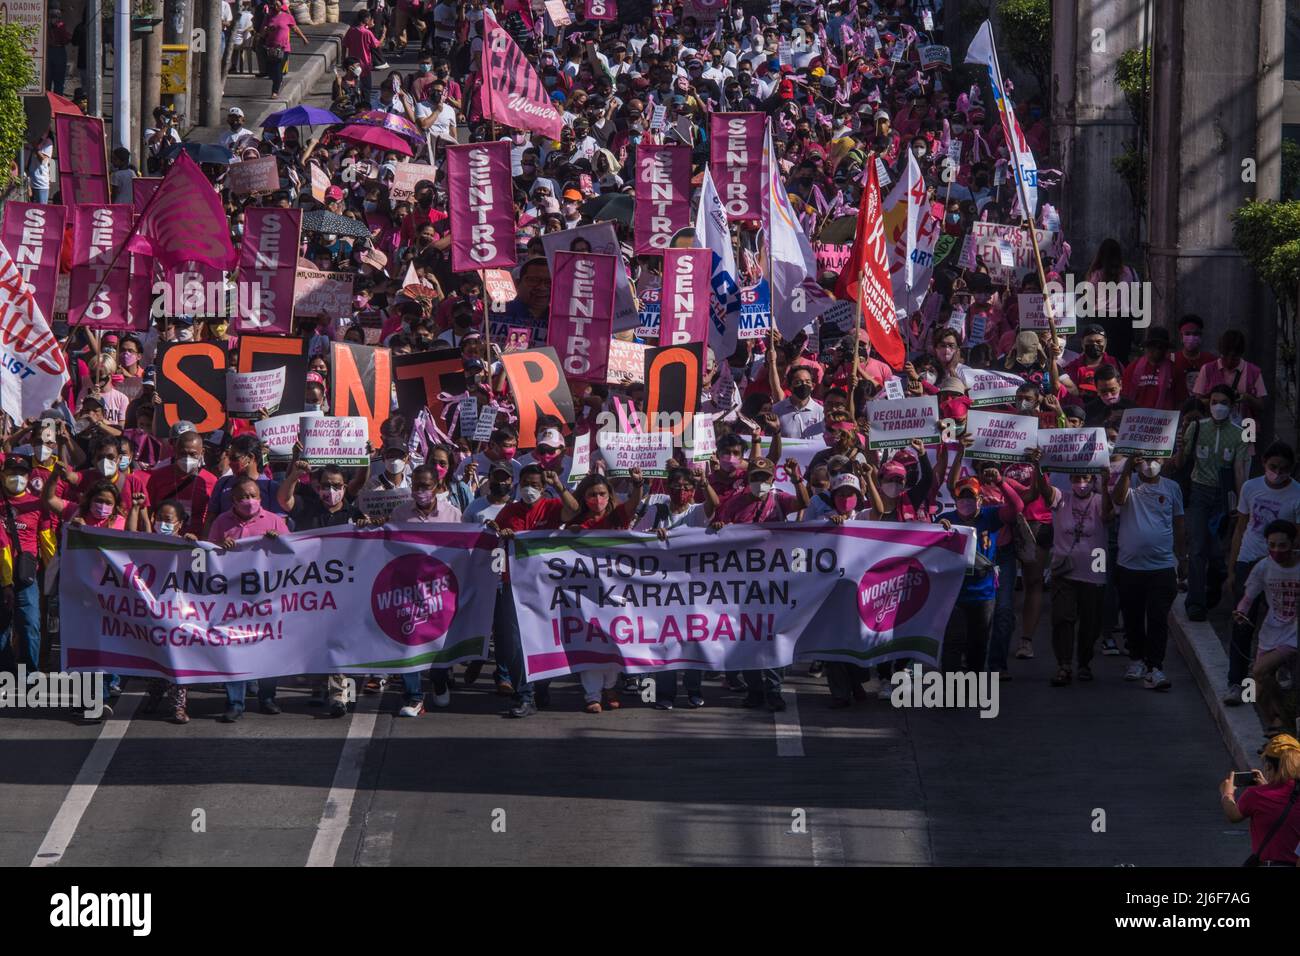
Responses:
[127,359]
[846,504]
[248,507]
[508,453]
[547,458]
[101,509]
[728,462]
[597,502]
[423,497]
[440,470]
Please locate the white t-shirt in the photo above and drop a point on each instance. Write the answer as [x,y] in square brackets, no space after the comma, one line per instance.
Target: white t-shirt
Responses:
[1146,524]
[482,510]
[658,514]
[1279,586]
[122,181]
[39,164]
[1265,505]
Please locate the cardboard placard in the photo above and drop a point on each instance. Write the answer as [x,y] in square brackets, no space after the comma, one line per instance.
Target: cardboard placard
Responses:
[192,385]
[1149,432]
[261,175]
[896,422]
[648,451]
[986,387]
[422,376]
[262,353]
[249,392]
[626,361]
[674,379]
[1076,451]
[538,386]
[322,294]
[1000,436]
[279,433]
[361,384]
[331,440]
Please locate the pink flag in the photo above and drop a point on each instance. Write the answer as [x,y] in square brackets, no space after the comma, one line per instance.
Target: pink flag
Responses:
[142,190]
[736,160]
[268,267]
[33,234]
[600,10]
[185,220]
[141,291]
[582,312]
[83,158]
[483,211]
[97,236]
[512,92]
[684,301]
[663,196]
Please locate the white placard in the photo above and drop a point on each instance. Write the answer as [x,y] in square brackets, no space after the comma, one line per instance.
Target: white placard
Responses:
[279,434]
[648,451]
[330,440]
[1076,451]
[896,422]
[989,387]
[380,502]
[250,392]
[1000,436]
[1149,432]
[487,424]
[467,415]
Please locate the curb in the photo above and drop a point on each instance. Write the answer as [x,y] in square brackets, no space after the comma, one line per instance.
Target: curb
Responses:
[1208,662]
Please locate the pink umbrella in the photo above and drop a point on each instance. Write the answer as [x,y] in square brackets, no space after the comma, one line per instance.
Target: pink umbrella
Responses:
[375,136]
[389,121]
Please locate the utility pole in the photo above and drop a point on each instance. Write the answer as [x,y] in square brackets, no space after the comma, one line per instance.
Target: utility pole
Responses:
[213,86]
[178,27]
[95,61]
[122,75]
[150,83]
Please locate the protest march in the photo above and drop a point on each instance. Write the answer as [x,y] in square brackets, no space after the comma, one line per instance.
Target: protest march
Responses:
[612,344]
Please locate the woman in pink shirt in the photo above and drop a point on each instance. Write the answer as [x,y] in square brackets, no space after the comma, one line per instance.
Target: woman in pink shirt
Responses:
[275,35]
[99,508]
[246,519]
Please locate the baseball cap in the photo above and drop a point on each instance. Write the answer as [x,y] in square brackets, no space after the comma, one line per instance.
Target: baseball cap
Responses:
[846,480]
[501,468]
[761,466]
[333,193]
[893,469]
[573,194]
[236,111]
[315,378]
[550,438]
[182,428]
[967,484]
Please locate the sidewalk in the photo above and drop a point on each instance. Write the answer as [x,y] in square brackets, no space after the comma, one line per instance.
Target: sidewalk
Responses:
[307,66]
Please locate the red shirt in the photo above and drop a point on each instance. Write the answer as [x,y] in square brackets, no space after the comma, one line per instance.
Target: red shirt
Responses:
[360,43]
[746,509]
[1187,368]
[1151,386]
[192,491]
[1263,805]
[1082,375]
[30,517]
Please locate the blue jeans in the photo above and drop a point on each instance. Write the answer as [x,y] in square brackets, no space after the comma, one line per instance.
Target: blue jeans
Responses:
[27,618]
[505,632]
[412,687]
[236,690]
[666,684]
[1206,509]
[41,196]
[1004,608]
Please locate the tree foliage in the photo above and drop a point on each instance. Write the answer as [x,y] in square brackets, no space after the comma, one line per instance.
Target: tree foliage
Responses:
[1027,35]
[16,71]
[1268,235]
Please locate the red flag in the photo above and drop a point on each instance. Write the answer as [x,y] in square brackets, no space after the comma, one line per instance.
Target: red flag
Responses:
[185,221]
[866,277]
[512,92]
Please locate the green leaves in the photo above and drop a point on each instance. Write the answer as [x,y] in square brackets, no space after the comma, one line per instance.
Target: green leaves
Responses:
[1268,235]
[16,72]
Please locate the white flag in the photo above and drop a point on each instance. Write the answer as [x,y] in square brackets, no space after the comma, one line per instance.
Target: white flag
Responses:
[712,233]
[797,299]
[33,368]
[983,51]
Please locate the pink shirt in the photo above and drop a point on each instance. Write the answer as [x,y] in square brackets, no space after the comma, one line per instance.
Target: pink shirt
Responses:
[442,511]
[114,521]
[360,43]
[1077,532]
[229,525]
[277,30]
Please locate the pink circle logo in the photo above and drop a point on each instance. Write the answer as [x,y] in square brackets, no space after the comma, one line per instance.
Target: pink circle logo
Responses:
[414,599]
[891,592]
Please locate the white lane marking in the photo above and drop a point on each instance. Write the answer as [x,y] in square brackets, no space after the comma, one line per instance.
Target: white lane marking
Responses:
[827,844]
[338,805]
[87,781]
[789,735]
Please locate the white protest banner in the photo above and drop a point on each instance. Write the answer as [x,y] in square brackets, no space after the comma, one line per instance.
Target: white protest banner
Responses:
[500,288]
[467,415]
[893,389]
[558,13]
[626,361]
[320,181]
[986,237]
[623,451]
[342,600]
[934,56]
[405,177]
[1000,436]
[379,502]
[250,392]
[1033,312]
[704,441]
[1076,451]
[1149,432]
[861,592]
[802,450]
[279,434]
[330,440]
[986,387]
[487,424]
[327,294]
[261,175]
[895,423]
[581,463]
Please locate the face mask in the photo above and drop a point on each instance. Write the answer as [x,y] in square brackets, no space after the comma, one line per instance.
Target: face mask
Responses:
[847,504]
[966,507]
[44,453]
[185,335]
[801,392]
[331,496]
[107,467]
[597,503]
[311,406]
[1093,351]
[101,509]
[508,453]
[1149,469]
[929,378]
[1112,399]
[499,488]
[395,466]
[128,359]
[683,496]
[892,489]
[728,462]
[1082,489]
[189,465]
[423,498]
[547,458]
[1025,405]
[530,495]
[166,527]
[426,67]
[248,507]
[370,206]
[760,488]
[1219,412]
[1191,342]
[440,471]
[1275,477]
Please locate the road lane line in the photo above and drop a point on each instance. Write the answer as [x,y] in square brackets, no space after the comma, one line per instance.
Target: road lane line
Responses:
[789,735]
[335,816]
[88,779]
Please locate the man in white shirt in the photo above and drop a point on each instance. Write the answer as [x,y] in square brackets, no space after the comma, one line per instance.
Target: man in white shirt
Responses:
[435,116]
[236,131]
[801,415]
[38,169]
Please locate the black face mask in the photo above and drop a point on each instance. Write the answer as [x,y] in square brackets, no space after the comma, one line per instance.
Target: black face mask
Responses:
[801,391]
[499,488]
[1093,351]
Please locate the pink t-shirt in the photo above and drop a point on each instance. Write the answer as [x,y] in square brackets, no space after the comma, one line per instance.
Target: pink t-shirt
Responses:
[1077,532]
[230,525]
[277,28]
[360,43]
[443,511]
[114,522]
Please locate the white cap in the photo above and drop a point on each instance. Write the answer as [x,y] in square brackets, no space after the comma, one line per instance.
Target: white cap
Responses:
[846,481]
[551,438]
[236,111]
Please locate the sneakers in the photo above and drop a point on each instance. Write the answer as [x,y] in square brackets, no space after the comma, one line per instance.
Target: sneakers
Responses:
[885,690]
[1233,697]
[1025,651]
[338,709]
[441,700]
[1156,680]
[1135,671]
[631,685]
[695,702]
[270,707]
[1284,677]
[1109,648]
[413,709]
[662,705]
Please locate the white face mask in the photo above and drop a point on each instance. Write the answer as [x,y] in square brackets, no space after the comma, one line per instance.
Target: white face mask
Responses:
[107,467]
[44,453]
[395,466]
[1149,469]
[1220,412]
[166,527]
[892,488]
[184,335]
[16,484]
[529,495]
[189,464]
[760,488]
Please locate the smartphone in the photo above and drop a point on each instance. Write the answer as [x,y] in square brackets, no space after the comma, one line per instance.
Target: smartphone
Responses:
[1243,778]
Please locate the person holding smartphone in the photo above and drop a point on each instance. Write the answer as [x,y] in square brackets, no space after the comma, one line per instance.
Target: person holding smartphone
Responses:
[1270,803]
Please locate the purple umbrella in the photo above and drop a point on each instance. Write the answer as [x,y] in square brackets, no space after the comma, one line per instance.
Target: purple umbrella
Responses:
[389,121]
[301,116]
